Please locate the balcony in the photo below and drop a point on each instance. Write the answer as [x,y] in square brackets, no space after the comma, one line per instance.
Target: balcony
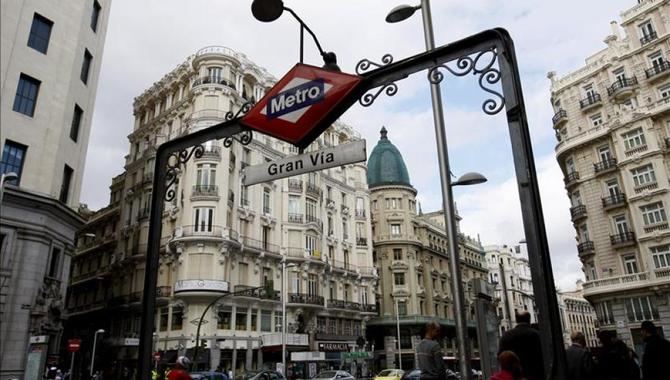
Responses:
[267,210]
[578,212]
[368,308]
[212,80]
[314,220]
[343,265]
[254,292]
[295,185]
[651,228]
[336,304]
[605,166]
[646,187]
[258,245]
[305,299]
[210,153]
[627,283]
[571,178]
[560,118]
[638,149]
[648,38]
[624,239]
[657,72]
[613,201]
[622,88]
[205,191]
[313,190]
[360,214]
[592,100]
[361,241]
[295,218]
[200,287]
[586,248]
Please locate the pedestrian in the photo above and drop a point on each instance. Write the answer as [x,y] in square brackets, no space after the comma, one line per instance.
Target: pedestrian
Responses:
[615,360]
[180,370]
[429,354]
[510,367]
[59,375]
[655,364]
[525,342]
[580,361]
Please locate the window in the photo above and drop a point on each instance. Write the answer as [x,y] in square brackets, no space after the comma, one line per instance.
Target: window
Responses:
[312,285]
[619,75]
[86,66]
[646,29]
[76,122]
[266,321]
[163,322]
[583,233]
[629,104]
[223,317]
[266,201]
[310,245]
[570,165]
[203,219]
[643,175]
[620,224]
[589,92]
[605,153]
[241,319]
[653,213]
[612,187]
[177,318]
[293,204]
[254,320]
[402,308]
[596,120]
[54,263]
[634,139]
[279,326]
[630,264]
[661,256]
[639,309]
[65,185]
[604,312]
[26,95]
[214,74]
[13,156]
[95,15]
[395,229]
[397,254]
[656,60]
[205,176]
[664,92]
[399,278]
[40,32]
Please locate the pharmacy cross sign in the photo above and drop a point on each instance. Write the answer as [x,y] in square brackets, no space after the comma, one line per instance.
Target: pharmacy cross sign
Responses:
[294,107]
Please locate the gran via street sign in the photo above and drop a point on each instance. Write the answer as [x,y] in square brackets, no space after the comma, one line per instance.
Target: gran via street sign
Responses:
[293,108]
[342,154]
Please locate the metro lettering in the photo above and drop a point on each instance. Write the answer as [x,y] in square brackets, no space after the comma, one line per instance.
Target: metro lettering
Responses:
[295,98]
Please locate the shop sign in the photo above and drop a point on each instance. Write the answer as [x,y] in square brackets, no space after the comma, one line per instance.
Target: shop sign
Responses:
[333,347]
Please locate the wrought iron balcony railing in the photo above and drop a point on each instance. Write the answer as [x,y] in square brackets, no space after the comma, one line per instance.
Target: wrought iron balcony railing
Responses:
[205,190]
[213,80]
[614,200]
[571,178]
[591,99]
[605,165]
[361,241]
[295,185]
[578,212]
[307,299]
[647,38]
[622,238]
[254,292]
[360,214]
[585,247]
[559,116]
[313,219]
[657,69]
[621,84]
[295,218]
[313,189]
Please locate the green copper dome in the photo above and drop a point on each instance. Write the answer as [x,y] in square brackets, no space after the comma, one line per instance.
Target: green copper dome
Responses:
[385,165]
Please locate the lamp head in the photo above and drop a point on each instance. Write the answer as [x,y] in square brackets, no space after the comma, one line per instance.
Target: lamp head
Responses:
[470,178]
[11,176]
[330,61]
[401,12]
[100,331]
[267,10]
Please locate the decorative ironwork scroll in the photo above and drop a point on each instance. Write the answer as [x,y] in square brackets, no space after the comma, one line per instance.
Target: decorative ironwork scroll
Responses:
[364,64]
[174,163]
[244,137]
[368,98]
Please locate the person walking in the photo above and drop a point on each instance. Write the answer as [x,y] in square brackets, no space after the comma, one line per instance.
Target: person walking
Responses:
[580,361]
[615,360]
[656,353]
[429,354]
[510,367]
[525,342]
[180,372]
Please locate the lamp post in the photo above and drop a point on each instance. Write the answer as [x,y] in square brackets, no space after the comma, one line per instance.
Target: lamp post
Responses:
[284,266]
[95,341]
[5,177]
[397,14]
[397,321]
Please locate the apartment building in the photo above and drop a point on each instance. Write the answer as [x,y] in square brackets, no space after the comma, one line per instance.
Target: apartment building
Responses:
[50,55]
[410,254]
[612,123]
[509,271]
[577,314]
[219,236]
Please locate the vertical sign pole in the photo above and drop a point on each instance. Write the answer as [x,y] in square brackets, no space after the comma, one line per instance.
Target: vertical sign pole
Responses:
[72,366]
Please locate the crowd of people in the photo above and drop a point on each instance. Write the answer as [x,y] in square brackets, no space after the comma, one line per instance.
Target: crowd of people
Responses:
[520,355]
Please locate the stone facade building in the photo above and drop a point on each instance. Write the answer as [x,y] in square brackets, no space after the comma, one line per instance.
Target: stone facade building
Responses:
[577,314]
[219,237]
[509,271]
[410,253]
[612,122]
[50,58]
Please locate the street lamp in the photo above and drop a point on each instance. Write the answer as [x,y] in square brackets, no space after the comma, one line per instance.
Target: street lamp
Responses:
[284,266]
[95,341]
[6,177]
[270,10]
[397,321]
[398,14]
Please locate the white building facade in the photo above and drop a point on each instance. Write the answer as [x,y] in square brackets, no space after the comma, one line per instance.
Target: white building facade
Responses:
[578,315]
[50,57]
[612,122]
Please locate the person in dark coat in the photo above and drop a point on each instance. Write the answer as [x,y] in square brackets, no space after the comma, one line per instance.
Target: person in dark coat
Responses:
[615,359]
[580,361]
[656,359]
[525,342]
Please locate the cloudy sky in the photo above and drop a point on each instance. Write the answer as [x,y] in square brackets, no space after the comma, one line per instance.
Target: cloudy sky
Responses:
[147,39]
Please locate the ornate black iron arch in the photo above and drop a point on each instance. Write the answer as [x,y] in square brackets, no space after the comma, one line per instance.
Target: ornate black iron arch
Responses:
[476,54]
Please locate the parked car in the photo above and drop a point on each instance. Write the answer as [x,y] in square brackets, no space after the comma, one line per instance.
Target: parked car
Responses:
[333,375]
[412,374]
[209,375]
[266,375]
[390,374]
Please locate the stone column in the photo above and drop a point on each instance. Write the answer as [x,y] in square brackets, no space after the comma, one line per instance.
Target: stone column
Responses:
[249,359]
[259,358]
[391,351]
[214,354]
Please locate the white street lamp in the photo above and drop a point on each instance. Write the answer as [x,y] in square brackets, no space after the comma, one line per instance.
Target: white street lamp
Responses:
[397,321]
[283,312]
[95,341]
[6,177]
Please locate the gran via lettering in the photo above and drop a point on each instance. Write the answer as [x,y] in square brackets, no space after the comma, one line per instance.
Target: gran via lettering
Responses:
[316,158]
[295,98]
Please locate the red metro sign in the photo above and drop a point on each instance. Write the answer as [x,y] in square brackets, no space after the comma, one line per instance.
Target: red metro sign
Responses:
[298,102]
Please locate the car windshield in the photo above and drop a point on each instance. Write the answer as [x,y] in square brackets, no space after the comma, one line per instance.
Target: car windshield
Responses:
[326,375]
[387,372]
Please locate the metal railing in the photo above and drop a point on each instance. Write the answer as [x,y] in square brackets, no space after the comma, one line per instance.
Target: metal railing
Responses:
[307,299]
[621,84]
[647,186]
[622,238]
[266,210]
[313,219]
[211,152]
[647,38]
[254,292]
[213,80]
[656,227]
[201,230]
[605,165]
[558,116]
[578,212]
[205,191]
[260,245]
[295,218]
[295,185]
[313,189]
[360,214]
[658,68]
[590,100]
[361,241]
[586,246]
[369,308]
[571,178]
[614,200]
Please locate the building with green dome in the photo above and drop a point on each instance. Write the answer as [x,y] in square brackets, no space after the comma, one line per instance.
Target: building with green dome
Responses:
[410,254]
